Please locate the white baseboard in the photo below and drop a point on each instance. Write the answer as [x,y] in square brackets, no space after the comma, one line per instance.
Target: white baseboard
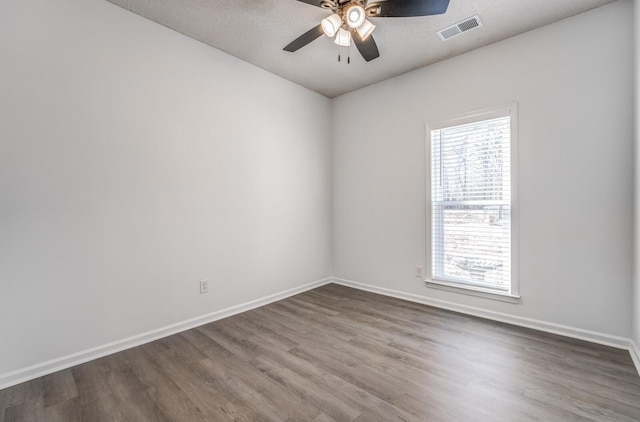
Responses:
[25,374]
[634,351]
[549,327]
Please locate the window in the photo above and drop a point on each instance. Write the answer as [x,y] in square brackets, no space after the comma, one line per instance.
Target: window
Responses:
[472,207]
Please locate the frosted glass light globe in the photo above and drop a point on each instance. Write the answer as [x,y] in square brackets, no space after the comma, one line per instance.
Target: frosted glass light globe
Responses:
[355,16]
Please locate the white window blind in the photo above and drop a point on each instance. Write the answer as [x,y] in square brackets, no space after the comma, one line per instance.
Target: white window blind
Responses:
[471,204]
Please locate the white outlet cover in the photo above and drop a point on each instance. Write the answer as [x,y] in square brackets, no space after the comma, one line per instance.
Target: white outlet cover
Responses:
[204,286]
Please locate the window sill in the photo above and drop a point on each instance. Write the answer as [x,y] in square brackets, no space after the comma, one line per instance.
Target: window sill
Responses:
[472,291]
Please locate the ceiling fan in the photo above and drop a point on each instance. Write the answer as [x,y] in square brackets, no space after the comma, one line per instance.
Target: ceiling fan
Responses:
[348,21]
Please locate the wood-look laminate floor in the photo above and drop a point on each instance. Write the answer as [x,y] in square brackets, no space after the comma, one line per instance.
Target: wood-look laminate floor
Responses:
[338,354]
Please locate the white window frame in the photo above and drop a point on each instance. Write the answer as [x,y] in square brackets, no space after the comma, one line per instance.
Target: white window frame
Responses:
[513,294]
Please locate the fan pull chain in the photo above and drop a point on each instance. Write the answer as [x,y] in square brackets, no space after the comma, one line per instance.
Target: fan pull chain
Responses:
[348,54]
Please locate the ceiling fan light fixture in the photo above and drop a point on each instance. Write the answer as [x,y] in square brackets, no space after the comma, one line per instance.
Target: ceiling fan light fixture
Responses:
[355,16]
[331,25]
[365,29]
[343,38]
[346,17]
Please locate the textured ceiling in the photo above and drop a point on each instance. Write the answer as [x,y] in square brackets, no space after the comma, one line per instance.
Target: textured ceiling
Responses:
[257,30]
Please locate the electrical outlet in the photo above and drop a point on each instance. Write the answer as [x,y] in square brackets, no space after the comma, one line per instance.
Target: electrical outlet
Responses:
[419,271]
[204,286]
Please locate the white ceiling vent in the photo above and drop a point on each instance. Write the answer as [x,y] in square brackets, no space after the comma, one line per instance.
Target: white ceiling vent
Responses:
[459,28]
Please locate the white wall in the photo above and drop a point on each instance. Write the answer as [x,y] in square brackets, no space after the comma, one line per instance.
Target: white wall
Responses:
[135,161]
[636,249]
[572,83]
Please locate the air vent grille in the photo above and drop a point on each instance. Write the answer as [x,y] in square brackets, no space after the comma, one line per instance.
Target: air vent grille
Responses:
[459,28]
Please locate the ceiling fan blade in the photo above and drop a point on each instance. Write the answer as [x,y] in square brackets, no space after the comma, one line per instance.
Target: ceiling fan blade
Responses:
[304,39]
[312,2]
[367,48]
[409,8]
